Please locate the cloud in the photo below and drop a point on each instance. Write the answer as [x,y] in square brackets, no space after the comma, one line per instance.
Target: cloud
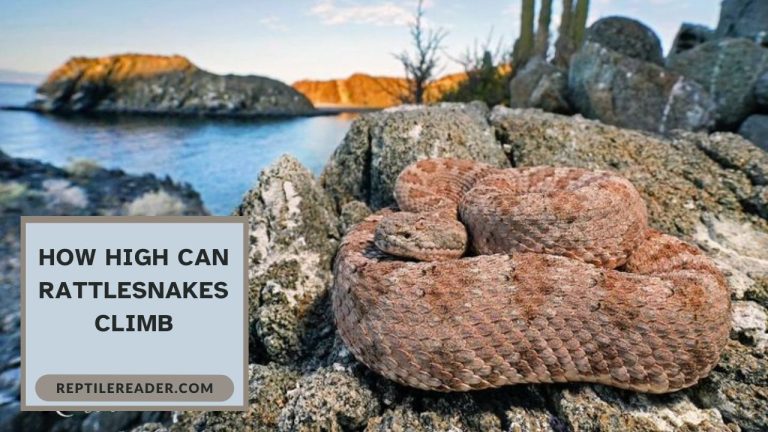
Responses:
[380,13]
[273,22]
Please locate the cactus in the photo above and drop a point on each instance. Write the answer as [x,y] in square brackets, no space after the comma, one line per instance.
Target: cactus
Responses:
[579,22]
[542,32]
[524,44]
[571,33]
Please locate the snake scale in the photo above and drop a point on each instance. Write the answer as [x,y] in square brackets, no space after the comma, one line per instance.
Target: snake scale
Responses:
[490,277]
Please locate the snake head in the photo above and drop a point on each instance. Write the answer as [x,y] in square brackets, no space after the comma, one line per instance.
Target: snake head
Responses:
[421,236]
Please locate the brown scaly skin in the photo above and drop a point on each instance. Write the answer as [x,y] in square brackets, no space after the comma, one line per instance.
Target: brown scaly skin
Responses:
[511,316]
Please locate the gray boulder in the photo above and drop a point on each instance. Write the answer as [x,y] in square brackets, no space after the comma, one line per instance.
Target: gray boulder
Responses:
[761,90]
[744,19]
[755,129]
[606,85]
[690,36]
[540,84]
[626,36]
[729,70]
[380,145]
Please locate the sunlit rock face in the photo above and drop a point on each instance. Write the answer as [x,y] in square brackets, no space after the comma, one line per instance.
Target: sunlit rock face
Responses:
[150,84]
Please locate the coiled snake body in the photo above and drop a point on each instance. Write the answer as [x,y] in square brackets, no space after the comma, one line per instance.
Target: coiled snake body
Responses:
[489,277]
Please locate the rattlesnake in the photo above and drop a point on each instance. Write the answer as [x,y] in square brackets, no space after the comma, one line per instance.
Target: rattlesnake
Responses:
[562,281]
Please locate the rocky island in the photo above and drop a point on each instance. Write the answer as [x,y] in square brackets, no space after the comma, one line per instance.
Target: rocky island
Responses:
[165,85]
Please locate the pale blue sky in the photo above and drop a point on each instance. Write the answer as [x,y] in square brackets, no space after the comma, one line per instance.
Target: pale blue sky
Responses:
[288,40]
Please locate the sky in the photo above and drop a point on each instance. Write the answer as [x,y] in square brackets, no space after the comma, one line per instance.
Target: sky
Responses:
[285,39]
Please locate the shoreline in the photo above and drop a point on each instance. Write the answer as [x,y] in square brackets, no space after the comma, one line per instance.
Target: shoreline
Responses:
[317,112]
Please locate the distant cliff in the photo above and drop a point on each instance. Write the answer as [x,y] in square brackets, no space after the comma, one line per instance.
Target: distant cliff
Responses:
[151,84]
[361,90]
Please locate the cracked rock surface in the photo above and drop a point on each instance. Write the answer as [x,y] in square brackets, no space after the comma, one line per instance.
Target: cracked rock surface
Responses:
[699,187]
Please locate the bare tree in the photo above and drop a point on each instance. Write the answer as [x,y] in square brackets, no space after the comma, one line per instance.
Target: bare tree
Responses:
[475,57]
[422,65]
[485,80]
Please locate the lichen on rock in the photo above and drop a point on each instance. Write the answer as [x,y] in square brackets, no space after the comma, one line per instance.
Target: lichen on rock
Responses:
[697,187]
[294,233]
[378,146]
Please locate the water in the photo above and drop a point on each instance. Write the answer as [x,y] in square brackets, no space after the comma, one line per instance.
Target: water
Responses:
[220,158]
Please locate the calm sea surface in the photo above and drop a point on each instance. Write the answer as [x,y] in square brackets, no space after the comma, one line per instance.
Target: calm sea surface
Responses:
[221,159]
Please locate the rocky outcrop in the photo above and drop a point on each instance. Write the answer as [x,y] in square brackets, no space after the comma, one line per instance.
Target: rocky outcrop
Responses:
[631,93]
[699,187]
[729,70]
[33,188]
[744,19]
[755,129]
[690,36]
[626,36]
[358,90]
[540,84]
[367,91]
[147,84]
[378,146]
[295,235]
[679,178]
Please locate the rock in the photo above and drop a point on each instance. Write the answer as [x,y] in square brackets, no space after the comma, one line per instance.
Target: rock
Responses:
[749,324]
[150,427]
[761,90]
[328,400]
[626,36]
[602,408]
[677,179]
[362,90]
[606,85]
[33,188]
[697,187]
[741,252]
[686,180]
[744,19]
[147,84]
[110,421]
[378,146]
[540,85]
[294,233]
[760,201]
[755,129]
[459,412]
[690,36]
[737,387]
[728,69]
[733,151]
[268,388]
[12,419]
[352,213]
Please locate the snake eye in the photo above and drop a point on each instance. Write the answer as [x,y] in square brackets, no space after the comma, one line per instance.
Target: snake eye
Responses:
[407,235]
